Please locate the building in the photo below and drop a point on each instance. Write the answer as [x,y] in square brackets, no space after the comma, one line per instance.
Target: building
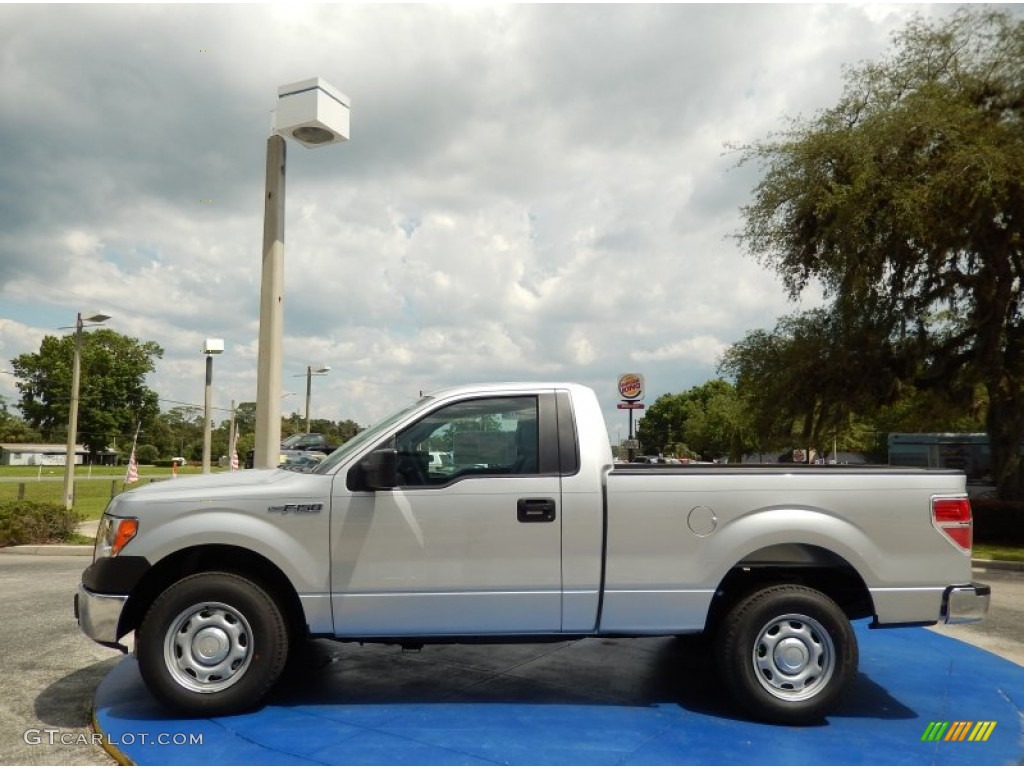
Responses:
[47,455]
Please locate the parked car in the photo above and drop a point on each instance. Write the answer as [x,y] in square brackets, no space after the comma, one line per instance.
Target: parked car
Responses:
[441,463]
[308,441]
[296,445]
[302,461]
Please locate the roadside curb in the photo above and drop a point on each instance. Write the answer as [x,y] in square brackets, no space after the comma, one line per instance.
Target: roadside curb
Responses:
[83,550]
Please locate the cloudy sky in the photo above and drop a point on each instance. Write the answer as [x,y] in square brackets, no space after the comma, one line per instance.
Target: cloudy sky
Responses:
[529,192]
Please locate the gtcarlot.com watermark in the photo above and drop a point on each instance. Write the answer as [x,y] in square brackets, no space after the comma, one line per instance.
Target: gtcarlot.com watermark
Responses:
[56,737]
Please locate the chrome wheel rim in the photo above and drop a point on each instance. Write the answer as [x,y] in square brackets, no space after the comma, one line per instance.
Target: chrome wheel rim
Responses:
[208,647]
[794,657]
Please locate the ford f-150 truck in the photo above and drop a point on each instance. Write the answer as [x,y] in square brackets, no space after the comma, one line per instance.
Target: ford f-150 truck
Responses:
[529,533]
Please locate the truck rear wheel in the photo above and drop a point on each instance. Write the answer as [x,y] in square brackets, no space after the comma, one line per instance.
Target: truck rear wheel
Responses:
[212,644]
[786,653]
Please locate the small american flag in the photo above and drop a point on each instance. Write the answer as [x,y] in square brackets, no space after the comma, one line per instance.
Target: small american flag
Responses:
[132,475]
[233,451]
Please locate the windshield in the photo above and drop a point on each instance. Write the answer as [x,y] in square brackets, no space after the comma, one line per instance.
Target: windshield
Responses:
[293,440]
[369,435]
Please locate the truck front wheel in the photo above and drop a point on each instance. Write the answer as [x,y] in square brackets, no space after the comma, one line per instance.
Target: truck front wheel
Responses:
[786,653]
[212,644]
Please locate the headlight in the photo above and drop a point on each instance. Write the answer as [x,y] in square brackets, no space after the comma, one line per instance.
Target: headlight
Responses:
[112,535]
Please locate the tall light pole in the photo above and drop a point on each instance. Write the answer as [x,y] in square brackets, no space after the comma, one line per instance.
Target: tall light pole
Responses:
[315,114]
[210,348]
[76,376]
[311,371]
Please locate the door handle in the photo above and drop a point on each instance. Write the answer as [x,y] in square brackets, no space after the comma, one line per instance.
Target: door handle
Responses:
[535,510]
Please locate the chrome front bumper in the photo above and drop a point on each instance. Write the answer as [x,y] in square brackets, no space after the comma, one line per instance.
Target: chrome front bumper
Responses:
[962,605]
[98,615]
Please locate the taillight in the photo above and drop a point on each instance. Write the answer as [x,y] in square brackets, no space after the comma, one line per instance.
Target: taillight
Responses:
[952,518]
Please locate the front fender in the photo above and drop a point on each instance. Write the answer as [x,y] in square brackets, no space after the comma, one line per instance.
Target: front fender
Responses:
[297,543]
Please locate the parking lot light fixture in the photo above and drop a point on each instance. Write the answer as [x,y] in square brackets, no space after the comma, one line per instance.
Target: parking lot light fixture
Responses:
[315,114]
[76,375]
[311,371]
[210,348]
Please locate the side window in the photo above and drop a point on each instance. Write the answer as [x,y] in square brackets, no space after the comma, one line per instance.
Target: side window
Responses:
[488,436]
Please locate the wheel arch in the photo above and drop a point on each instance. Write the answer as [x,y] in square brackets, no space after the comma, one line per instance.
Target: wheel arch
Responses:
[795,563]
[214,557]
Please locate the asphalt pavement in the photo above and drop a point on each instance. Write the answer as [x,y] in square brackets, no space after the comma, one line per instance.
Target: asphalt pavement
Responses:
[49,671]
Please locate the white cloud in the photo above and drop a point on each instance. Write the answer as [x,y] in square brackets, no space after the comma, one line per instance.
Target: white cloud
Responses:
[530,191]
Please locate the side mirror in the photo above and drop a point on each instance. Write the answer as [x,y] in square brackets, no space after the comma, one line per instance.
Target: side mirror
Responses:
[380,469]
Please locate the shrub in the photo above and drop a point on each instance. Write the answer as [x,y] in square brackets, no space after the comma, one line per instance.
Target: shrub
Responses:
[146,454]
[998,522]
[35,522]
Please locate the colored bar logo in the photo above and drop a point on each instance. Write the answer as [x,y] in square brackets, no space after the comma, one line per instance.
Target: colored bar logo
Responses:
[959,730]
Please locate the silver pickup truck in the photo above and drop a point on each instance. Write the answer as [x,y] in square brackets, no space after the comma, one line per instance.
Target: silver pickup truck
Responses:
[528,533]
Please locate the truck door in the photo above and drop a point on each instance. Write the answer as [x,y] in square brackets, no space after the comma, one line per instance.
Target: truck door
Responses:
[468,547]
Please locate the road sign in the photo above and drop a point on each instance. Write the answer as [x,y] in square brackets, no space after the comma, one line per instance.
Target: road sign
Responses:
[631,444]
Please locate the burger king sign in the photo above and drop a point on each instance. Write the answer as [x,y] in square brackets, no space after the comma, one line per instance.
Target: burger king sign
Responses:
[631,386]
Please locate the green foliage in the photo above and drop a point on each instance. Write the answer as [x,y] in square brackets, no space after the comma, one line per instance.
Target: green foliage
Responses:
[14,429]
[113,395]
[146,454]
[35,522]
[904,202]
[930,410]
[707,421]
[996,552]
[245,418]
[807,380]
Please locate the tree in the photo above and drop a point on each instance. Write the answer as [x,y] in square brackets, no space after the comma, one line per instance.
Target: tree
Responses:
[706,421]
[717,422]
[662,425]
[245,418]
[12,428]
[113,396]
[147,454]
[809,378]
[905,201]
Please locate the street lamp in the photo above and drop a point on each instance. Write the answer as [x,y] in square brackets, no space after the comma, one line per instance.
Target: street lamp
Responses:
[311,371]
[315,114]
[210,348]
[76,375]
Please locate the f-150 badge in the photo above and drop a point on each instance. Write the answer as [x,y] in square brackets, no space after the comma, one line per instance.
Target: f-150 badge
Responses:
[287,508]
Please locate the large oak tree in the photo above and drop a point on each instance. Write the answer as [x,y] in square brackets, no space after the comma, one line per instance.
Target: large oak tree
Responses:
[905,201]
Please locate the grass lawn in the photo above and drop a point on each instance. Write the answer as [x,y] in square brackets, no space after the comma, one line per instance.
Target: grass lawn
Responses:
[93,488]
[996,552]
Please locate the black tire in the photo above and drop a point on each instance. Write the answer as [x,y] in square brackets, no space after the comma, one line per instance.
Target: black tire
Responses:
[786,654]
[212,644]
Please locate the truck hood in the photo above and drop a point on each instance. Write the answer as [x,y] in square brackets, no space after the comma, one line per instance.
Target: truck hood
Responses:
[227,488]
